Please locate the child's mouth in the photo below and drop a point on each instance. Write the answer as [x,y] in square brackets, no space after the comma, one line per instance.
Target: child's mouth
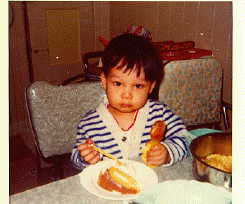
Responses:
[123,105]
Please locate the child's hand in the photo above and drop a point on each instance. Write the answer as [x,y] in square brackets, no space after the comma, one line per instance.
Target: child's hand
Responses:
[158,155]
[88,153]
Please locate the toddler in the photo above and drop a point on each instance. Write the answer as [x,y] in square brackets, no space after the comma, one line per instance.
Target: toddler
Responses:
[121,124]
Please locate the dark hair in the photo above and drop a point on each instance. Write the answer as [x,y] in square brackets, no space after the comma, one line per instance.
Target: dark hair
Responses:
[133,50]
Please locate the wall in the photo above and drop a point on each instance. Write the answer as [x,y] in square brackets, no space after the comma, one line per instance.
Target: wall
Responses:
[18,76]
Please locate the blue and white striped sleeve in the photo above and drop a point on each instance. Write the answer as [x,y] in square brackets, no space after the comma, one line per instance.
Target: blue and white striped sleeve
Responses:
[75,156]
[174,139]
[82,136]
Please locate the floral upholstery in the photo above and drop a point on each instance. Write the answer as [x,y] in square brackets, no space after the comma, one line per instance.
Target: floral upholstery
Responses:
[56,111]
[192,90]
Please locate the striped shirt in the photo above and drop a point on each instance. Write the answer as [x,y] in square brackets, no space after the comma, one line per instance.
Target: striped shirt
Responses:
[100,126]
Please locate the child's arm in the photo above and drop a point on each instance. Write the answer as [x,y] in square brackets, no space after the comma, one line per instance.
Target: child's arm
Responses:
[158,155]
[174,147]
[82,154]
[88,154]
[168,152]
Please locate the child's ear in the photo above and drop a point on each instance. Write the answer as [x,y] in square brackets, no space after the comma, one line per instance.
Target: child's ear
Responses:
[152,86]
[103,80]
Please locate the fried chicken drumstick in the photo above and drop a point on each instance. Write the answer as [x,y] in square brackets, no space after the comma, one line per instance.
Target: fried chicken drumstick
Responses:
[157,135]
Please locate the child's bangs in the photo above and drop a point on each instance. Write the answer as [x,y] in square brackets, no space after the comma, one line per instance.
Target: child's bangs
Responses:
[121,62]
[148,65]
[130,64]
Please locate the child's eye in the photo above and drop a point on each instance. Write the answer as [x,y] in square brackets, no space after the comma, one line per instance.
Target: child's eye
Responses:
[138,86]
[117,83]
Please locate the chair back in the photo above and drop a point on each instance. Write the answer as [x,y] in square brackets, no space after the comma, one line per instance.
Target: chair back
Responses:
[55,112]
[193,90]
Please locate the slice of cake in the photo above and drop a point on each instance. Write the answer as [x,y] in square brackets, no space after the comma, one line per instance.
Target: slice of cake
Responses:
[114,179]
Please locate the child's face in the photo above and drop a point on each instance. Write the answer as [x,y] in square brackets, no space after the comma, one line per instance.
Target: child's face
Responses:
[126,92]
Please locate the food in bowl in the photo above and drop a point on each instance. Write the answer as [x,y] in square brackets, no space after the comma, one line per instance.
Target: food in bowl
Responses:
[114,179]
[219,161]
[206,145]
[157,135]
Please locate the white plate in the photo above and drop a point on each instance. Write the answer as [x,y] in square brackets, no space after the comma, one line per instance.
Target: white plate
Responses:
[184,191]
[145,177]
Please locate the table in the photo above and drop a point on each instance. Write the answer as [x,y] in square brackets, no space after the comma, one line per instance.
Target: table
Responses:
[70,190]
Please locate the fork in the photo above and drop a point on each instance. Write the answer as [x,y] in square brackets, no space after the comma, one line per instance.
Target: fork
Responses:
[107,154]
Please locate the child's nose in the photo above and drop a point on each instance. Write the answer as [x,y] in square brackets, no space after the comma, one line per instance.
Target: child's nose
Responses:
[127,93]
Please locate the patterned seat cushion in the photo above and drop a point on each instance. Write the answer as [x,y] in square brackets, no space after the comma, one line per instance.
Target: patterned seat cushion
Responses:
[192,90]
